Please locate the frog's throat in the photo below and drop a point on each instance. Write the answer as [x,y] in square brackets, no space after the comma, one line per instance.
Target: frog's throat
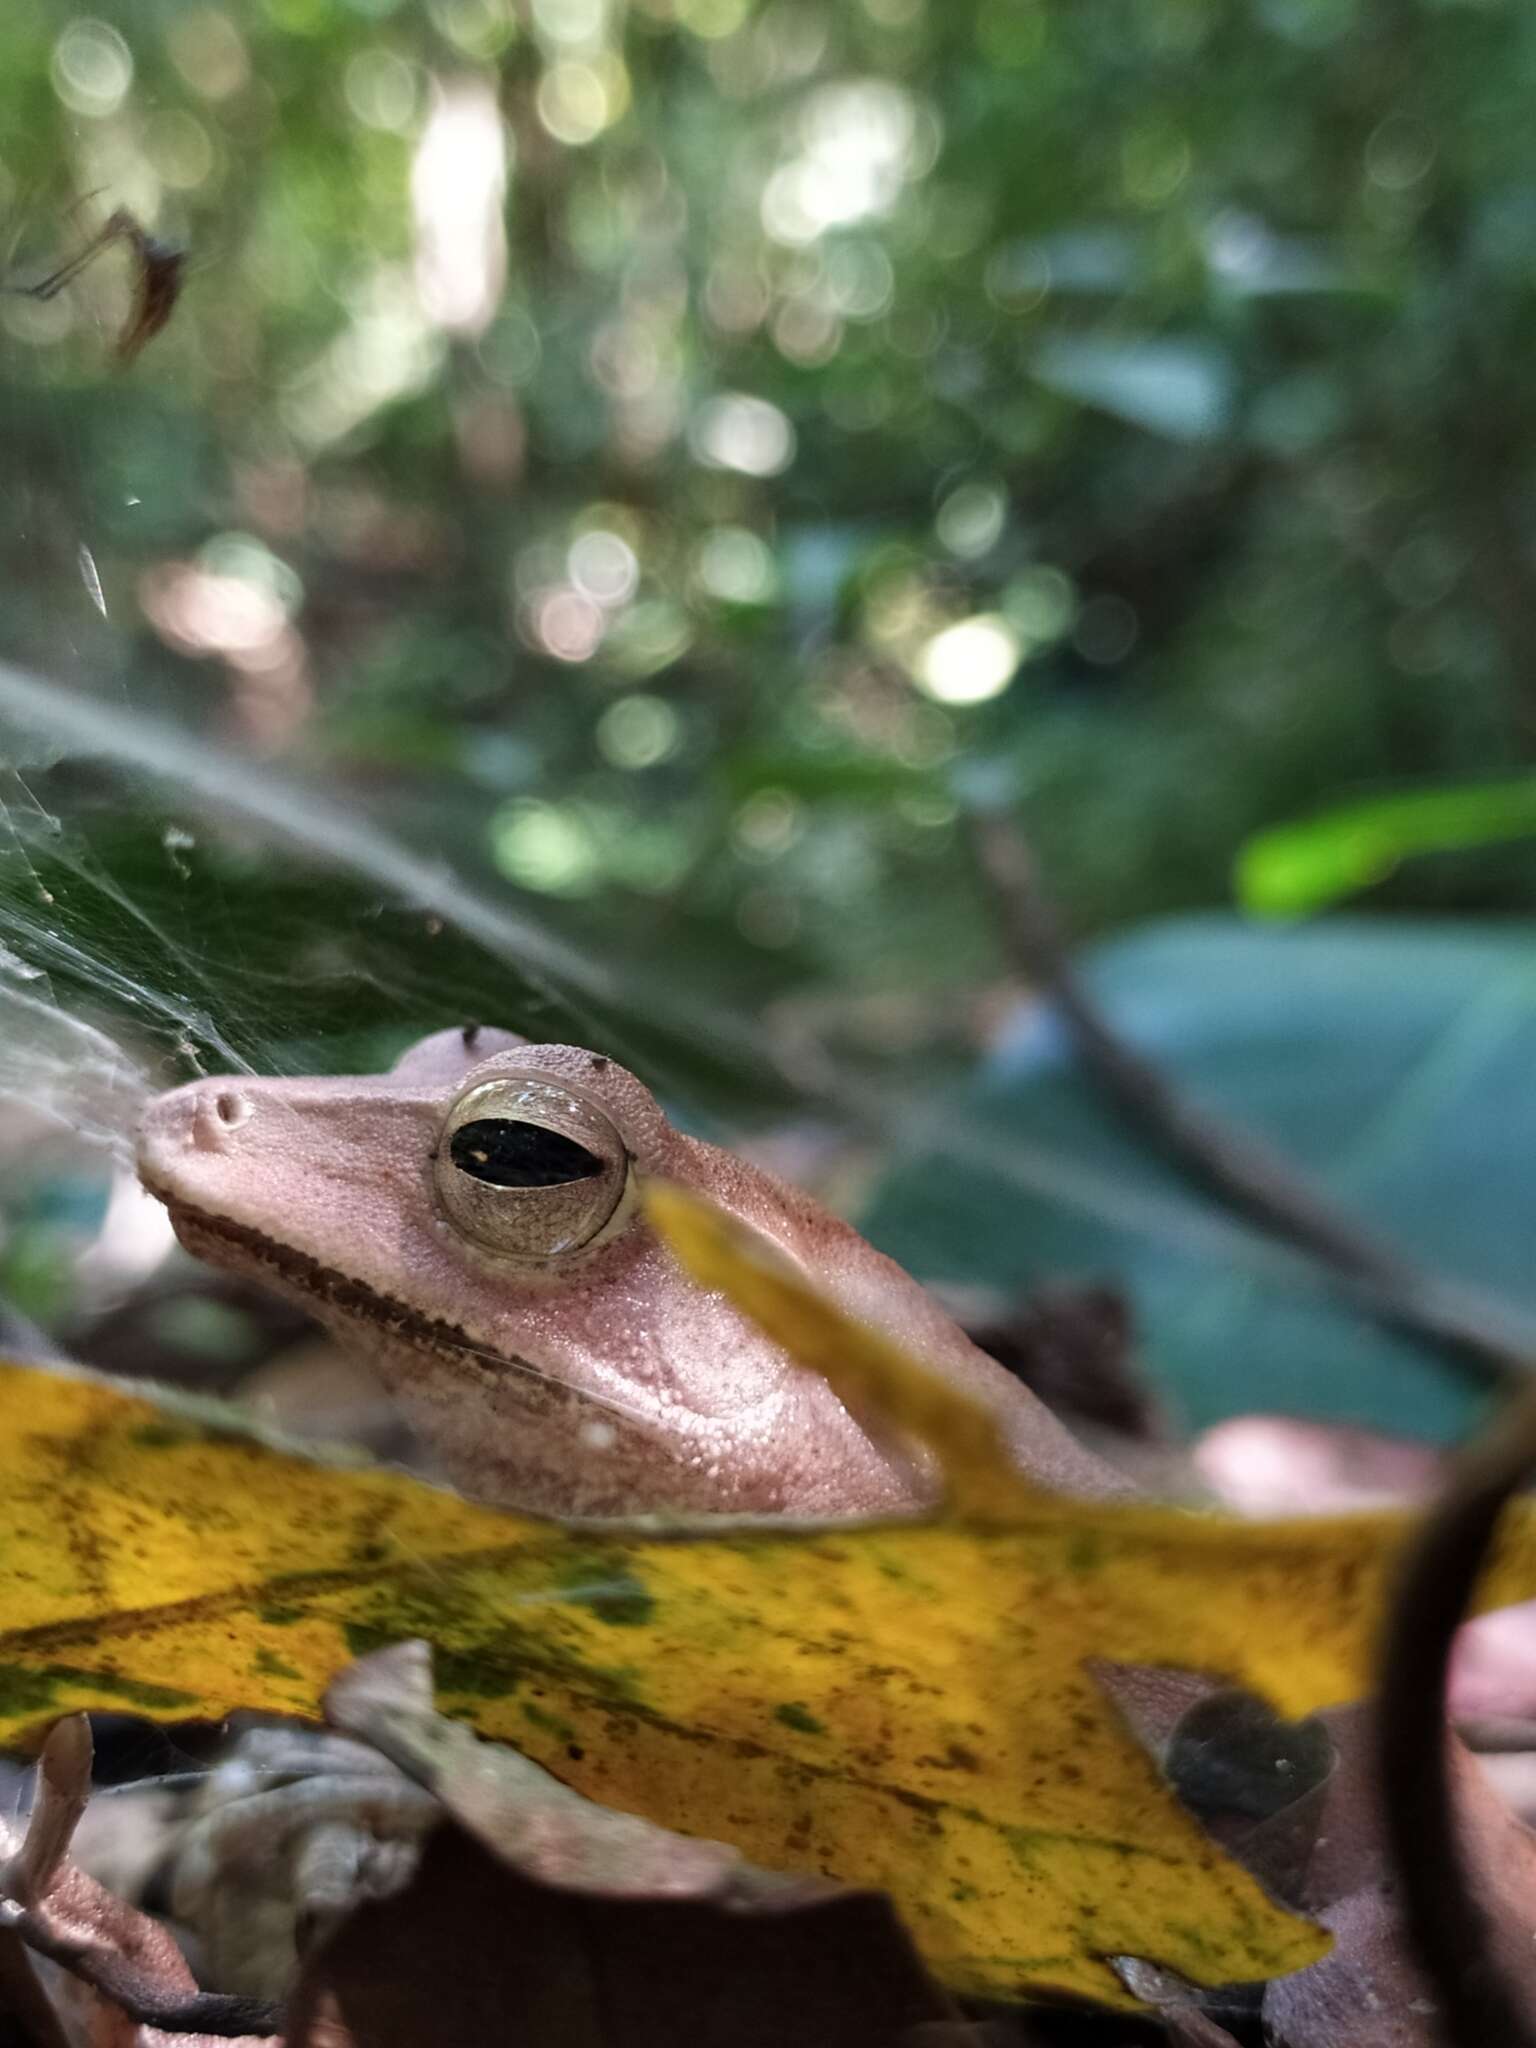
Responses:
[333,1296]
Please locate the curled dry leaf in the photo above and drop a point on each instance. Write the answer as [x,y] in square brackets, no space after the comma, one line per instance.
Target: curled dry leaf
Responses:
[1072,1345]
[473,1951]
[1370,1974]
[1298,1805]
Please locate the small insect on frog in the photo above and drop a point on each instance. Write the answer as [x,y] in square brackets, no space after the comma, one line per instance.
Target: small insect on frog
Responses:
[470,1222]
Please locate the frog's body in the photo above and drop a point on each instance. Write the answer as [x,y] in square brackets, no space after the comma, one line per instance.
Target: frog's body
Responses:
[468,1220]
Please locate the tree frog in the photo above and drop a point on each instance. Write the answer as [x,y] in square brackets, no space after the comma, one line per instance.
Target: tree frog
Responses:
[470,1221]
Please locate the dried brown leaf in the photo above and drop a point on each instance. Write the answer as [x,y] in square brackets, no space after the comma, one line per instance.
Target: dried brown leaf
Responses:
[473,1952]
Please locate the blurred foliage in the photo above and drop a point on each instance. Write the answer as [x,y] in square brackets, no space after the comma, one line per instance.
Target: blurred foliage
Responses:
[1394,1071]
[671,454]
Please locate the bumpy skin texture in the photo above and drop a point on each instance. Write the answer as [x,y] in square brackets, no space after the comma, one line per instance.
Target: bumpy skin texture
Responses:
[605,1382]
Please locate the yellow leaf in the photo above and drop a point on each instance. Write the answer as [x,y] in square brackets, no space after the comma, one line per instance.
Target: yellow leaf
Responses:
[903,1705]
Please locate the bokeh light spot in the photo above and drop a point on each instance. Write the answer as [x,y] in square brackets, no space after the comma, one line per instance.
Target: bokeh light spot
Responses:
[647,637]
[1042,604]
[712,18]
[576,101]
[458,180]
[859,278]
[603,565]
[547,847]
[970,662]
[638,732]
[861,140]
[735,566]
[570,21]
[1398,153]
[566,623]
[970,520]
[249,560]
[206,48]
[736,431]
[480,28]
[383,89]
[92,68]
[767,824]
[180,148]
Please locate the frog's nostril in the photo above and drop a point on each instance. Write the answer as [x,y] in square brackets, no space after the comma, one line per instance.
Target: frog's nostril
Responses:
[217,1116]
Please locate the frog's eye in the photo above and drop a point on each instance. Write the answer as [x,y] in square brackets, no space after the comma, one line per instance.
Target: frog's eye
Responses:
[529,1168]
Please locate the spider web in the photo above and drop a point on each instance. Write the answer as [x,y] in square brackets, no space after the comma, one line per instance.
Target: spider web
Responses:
[112,987]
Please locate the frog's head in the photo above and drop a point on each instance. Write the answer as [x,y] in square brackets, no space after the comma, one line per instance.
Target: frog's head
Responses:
[470,1220]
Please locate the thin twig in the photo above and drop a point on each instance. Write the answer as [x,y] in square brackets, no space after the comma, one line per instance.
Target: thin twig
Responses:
[1241,1171]
[1451,1934]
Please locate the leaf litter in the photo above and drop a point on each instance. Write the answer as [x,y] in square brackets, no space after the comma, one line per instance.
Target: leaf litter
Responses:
[911,1707]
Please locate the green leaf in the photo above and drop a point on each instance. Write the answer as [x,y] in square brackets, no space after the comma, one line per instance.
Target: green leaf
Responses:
[1294,869]
[1181,389]
[1391,1062]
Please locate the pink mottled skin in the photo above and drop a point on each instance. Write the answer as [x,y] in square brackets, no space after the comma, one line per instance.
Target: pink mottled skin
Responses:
[601,1382]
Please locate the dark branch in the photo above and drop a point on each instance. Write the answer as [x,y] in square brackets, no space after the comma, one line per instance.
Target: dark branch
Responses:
[1451,1934]
[1242,1172]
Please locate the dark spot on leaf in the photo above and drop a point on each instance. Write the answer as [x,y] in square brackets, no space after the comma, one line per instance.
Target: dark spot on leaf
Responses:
[484,1677]
[364,1637]
[550,1723]
[794,1715]
[160,1436]
[27,1690]
[955,1758]
[24,1692]
[271,1666]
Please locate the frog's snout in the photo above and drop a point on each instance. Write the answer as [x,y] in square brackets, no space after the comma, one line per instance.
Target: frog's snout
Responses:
[205,1116]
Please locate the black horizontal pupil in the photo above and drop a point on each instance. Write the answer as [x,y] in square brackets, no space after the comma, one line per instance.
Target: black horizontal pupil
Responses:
[517,1155]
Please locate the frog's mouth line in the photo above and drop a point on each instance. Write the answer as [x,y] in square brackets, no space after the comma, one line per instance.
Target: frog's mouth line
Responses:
[323,1288]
